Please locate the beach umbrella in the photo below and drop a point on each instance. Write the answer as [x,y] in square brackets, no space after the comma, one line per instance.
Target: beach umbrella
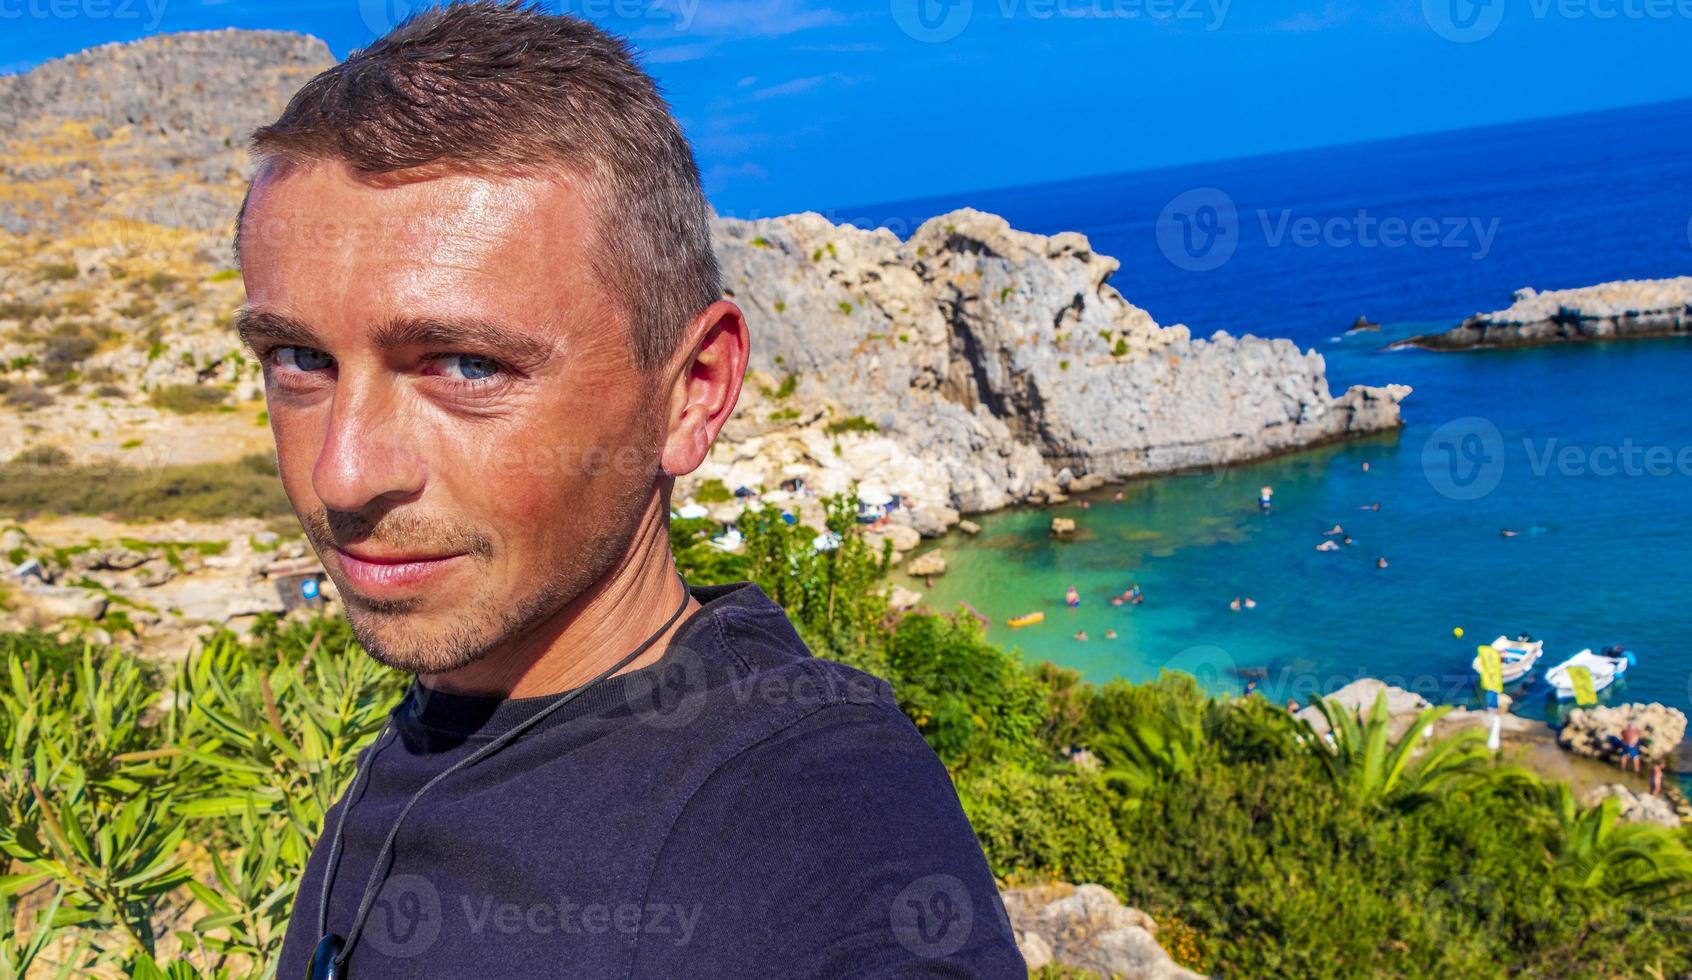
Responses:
[871,496]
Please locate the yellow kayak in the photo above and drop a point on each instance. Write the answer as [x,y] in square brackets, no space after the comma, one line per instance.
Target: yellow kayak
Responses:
[1028,620]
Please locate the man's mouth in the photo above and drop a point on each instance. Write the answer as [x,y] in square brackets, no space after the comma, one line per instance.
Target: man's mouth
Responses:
[378,571]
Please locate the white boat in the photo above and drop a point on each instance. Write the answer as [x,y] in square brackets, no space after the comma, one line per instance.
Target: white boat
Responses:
[1605,668]
[1517,656]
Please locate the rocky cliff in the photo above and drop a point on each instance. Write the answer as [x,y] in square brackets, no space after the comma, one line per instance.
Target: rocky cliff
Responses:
[1622,310]
[986,366]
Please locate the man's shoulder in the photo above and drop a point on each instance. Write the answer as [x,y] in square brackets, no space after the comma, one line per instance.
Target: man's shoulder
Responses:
[743,642]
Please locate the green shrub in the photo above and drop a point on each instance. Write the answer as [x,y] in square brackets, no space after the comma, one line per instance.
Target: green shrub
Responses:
[854,423]
[187,399]
[713,491]
[42,456]
[972,701]
[1036,827]
[194,491]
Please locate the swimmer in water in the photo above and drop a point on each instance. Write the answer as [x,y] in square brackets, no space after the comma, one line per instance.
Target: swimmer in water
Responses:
[1507,533]
[1110,634]
[1381,562]
[1328,545]
[1117,600]
[1117,497]
[1336,529]
[1072,597]
[1080,634]
[1346,539]
[1374,506]
[1250,603]
[1235,605]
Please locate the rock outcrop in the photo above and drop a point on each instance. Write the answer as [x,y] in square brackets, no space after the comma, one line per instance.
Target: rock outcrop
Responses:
[1610,311]
[1403,707]
[1635,807]
[1596,732]
[1087,927]
[975,364]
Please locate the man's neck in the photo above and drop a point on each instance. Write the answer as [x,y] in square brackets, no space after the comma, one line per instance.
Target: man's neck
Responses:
[597,629]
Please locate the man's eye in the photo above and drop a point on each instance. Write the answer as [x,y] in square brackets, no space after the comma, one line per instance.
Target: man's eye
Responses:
[302,359]
[466,367]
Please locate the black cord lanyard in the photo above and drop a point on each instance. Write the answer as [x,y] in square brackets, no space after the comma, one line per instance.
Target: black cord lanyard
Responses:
[328,960]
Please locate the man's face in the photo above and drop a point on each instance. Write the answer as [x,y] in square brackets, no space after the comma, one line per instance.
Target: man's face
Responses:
[458,420]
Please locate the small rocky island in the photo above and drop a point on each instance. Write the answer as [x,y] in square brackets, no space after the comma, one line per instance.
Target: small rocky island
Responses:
[1624,310]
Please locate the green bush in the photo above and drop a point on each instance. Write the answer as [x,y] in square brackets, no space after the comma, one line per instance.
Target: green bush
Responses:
[853,423]
[194,491]
[1046,826]
[713,491]
[187,399]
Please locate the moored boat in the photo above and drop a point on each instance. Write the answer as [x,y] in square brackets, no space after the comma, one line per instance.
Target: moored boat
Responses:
[1516,656]
[1605,666]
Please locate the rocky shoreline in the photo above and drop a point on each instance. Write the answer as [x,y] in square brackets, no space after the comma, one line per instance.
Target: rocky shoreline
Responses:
[1624,310]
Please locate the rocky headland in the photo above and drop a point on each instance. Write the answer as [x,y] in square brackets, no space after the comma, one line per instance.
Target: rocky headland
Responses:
[1624,310]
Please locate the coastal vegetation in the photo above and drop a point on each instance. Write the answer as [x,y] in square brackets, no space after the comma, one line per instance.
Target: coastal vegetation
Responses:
[156,821]
[245,487]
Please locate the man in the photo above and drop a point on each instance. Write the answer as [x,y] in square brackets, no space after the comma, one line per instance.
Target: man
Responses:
[480,283]
[1630,736]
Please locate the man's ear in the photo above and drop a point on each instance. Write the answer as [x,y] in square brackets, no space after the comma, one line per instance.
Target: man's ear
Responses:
[706,385]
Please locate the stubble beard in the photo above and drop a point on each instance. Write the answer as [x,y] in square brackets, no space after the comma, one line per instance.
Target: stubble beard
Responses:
[486,624]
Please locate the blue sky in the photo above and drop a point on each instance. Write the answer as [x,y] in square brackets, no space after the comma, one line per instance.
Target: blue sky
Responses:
[802,104]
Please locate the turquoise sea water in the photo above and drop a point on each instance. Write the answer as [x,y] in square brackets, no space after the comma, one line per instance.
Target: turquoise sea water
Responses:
[1585,451]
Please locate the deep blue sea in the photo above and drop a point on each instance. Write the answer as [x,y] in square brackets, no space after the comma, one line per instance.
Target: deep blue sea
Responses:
[1584,451]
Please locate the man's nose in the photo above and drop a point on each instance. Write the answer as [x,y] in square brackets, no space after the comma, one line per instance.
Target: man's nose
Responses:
[372,451]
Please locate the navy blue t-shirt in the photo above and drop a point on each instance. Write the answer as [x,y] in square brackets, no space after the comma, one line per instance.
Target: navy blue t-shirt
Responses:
[739,808]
